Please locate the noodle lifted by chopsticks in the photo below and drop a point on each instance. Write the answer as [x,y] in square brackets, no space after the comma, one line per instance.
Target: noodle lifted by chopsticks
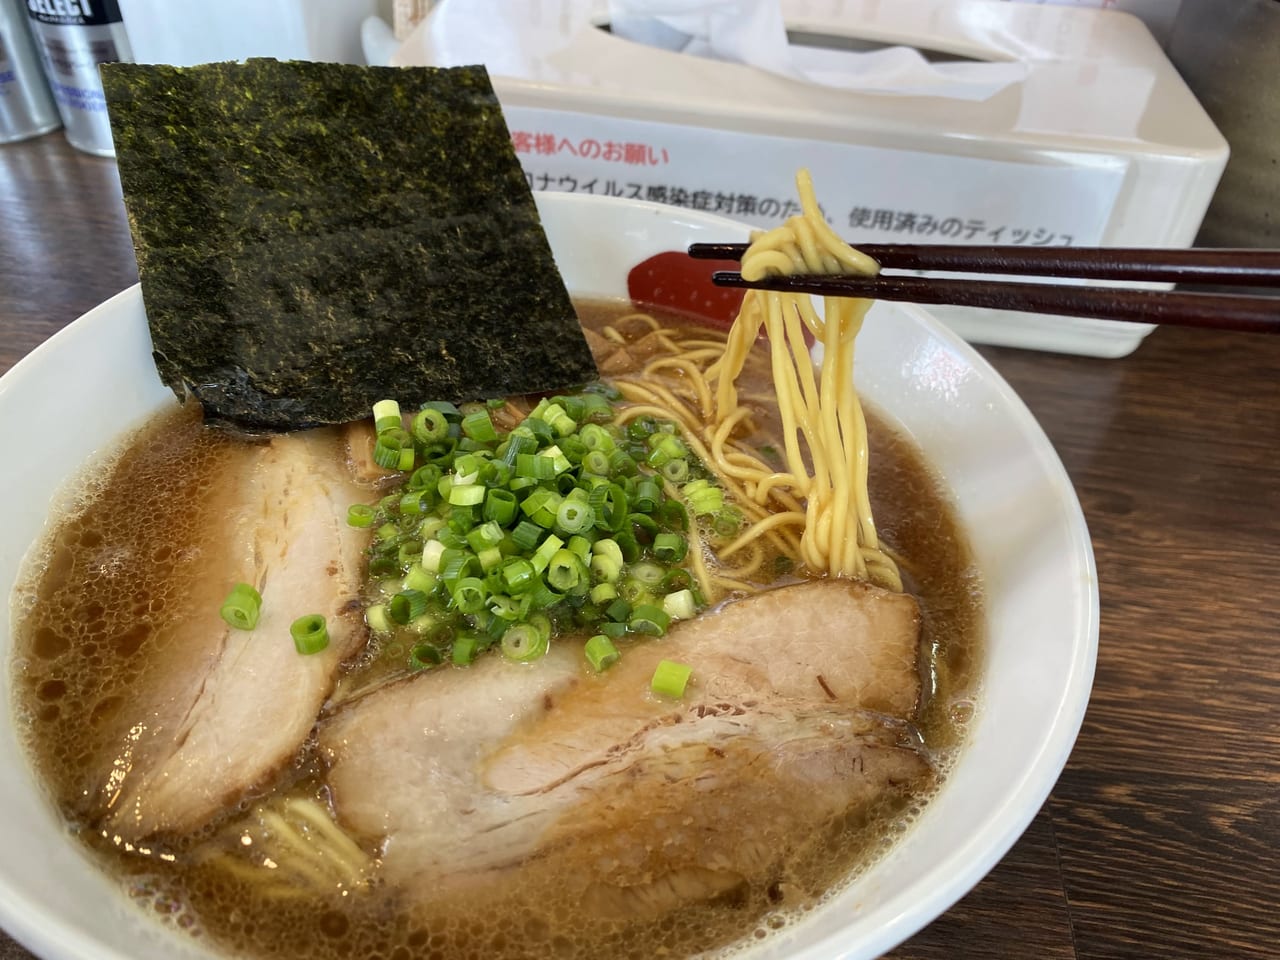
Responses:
[822,489]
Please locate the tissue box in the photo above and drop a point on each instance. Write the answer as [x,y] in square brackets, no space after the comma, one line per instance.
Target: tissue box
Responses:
[1097,141]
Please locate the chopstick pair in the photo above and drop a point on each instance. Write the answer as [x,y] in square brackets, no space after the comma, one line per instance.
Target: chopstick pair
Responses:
[1218,311]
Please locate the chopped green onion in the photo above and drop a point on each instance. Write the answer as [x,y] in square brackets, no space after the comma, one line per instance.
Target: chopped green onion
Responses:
[429,425]
[538,428]
[451,538]
[500,506]
[467,495]
[627,543]
[488,534]
[648,495]
[644,524]
[242,607]
[432,555]
[558,419]
[383,567]
[378,619]
[610,504]
[670,547]
[517,444]
[602,593]
[508,608]
[415,502]
[727,522]
[387,454]
[621,464]
[670,679]
[541,506]
[650,619]
[601,653]
[543,597]
[574,517]
[454,565]
[469,594]
[619,610]
[703,497]
[524,641]
[407,605]
[438,452]
[641,427]
[360,515]
[310,635]
[472,545]
[677,471]
[677,578]
[465,648]
[606,560]
[680,605]
[597,462]
[565,572]
[445,407]
[672,513]
[417,577]
[489,557]
[386,414]
[466,468]
[535,466]
[597,437]
[582,547]
[408,552]
[574,406]
[527,535]
[518,575]
[542,556]
[650,574]
[478,426]
[595,408]
[424,656]
[559,462]
[634,591]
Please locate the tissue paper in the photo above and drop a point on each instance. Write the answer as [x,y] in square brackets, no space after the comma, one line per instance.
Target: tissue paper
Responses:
[753,32]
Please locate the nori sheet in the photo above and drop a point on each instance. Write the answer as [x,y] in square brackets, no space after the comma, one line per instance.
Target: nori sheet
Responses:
[313,237]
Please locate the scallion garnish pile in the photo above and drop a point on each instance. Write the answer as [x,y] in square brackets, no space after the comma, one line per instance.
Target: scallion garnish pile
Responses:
[564,524]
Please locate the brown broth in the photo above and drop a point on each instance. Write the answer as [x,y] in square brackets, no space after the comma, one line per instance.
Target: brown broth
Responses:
[93,610]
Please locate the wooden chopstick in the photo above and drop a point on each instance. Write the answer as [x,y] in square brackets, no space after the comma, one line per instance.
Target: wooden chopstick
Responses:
[1223,311]
[1207,310]
[1239,267]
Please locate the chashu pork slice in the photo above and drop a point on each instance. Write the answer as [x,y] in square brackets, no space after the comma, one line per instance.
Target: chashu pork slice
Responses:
[796,714]
[223,710]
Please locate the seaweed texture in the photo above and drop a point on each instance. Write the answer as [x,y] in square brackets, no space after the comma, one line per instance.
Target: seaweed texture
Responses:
[313,237]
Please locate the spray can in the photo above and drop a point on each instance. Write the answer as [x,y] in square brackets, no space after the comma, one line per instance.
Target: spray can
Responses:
[74,36]
[26,106]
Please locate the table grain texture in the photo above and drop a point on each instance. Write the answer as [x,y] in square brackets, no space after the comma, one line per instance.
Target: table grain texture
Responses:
[1161,838]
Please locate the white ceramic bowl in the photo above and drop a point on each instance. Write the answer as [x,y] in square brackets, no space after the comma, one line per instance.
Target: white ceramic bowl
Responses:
[95,379]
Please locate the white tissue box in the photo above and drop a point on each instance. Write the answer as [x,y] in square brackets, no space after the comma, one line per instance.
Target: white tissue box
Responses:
[1094,141]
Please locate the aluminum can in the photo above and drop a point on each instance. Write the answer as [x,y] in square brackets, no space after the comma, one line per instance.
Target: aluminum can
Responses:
[74,36]
[26,105]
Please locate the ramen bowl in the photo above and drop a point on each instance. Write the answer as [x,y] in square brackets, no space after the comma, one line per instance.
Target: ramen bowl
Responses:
[95,380]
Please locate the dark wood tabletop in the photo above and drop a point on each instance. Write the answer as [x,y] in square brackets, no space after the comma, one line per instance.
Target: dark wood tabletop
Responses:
[1162,838]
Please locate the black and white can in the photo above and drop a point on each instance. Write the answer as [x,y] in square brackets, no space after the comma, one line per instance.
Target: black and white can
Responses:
[26,105]
[74,36]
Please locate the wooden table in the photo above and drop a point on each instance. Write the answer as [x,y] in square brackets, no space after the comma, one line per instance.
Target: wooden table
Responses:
[1161,838]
